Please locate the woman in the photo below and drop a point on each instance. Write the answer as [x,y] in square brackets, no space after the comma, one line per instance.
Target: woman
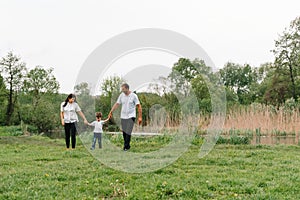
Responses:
[68,114]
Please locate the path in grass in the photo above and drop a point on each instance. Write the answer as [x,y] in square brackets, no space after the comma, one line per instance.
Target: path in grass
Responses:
[40,168]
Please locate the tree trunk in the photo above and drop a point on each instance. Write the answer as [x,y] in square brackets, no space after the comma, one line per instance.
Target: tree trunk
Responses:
[10,106]
[293,82]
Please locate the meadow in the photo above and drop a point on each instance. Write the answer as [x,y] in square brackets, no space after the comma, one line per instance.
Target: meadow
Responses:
[36,167]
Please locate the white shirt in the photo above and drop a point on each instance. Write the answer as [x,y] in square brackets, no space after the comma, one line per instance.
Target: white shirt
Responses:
[98,126]
[70,115]
[128,103]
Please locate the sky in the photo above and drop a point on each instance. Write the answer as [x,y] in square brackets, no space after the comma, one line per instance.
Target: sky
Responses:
[62,33]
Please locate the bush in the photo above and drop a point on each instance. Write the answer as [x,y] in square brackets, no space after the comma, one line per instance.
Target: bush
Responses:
[235,140]
[10,131]
[113,128]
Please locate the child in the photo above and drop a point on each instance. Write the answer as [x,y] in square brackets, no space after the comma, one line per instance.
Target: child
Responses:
[98,129]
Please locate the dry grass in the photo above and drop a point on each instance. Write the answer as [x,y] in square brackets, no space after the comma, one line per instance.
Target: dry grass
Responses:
[266,118]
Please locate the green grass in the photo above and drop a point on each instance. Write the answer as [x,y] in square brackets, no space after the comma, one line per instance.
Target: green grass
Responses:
[37,167]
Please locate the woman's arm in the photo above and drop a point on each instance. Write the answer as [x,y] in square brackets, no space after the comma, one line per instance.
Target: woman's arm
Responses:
[62,118]
[83,117]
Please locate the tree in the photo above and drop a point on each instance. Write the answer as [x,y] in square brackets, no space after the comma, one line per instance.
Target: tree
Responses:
[240,80]
[111,86]
[110,89]
[82,89]
[287,55]
[86,101]
[151,102]
[200,89]
[3,94]
[40,86]
[182,73]
[39,81]
[12,70]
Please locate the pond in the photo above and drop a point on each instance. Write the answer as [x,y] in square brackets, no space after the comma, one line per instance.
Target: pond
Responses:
[273,140]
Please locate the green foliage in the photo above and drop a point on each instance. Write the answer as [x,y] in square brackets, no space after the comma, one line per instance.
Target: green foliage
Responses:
[10,131]
[40,81]
[3,100]
[113,128]
[38,109]
[234,140]
[86,102]
[44,115]
[240,81]
[103,104]
[287,57]
[150,102]
[111,86]
[13,72]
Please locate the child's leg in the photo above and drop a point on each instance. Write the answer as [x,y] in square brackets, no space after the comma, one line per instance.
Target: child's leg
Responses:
[94,142]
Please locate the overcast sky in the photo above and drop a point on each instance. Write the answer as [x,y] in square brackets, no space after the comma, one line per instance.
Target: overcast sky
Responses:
[61,34]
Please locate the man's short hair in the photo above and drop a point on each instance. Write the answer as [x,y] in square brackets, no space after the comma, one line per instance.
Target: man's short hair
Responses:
[125,85]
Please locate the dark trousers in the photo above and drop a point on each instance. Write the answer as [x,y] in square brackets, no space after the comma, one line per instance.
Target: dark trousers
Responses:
[70,130]
[126,138]
[127,126]
[97,136]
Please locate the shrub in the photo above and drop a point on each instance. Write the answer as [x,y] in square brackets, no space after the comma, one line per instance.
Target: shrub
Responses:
[235,140]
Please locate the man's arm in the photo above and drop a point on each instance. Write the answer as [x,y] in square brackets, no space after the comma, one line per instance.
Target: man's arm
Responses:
[139,106]
[115,106]
[107,119]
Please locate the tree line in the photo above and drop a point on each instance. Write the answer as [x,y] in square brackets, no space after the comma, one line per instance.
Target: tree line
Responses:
[32,96]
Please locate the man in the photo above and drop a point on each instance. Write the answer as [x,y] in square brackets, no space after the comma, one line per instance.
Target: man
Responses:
[129,102]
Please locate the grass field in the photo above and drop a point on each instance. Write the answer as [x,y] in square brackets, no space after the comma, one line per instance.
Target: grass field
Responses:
[35,167]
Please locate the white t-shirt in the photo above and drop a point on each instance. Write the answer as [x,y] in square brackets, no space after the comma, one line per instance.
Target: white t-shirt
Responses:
[128,103]
[70,115]
[98,126]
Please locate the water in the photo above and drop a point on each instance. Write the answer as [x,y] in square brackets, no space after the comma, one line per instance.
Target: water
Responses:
[274,140]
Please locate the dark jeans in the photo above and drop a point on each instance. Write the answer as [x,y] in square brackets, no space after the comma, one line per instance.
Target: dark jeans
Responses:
[97,136]
[127,126]
[70,130]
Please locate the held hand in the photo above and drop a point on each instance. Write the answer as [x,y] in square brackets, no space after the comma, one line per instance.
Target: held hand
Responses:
[62,122]
[109,115]
[85,122]
[140,120]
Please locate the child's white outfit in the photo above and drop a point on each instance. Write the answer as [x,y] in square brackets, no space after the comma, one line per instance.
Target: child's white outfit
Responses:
[97,133]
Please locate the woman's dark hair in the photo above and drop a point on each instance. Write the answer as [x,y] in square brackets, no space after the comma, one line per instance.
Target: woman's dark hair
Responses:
[70,96]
